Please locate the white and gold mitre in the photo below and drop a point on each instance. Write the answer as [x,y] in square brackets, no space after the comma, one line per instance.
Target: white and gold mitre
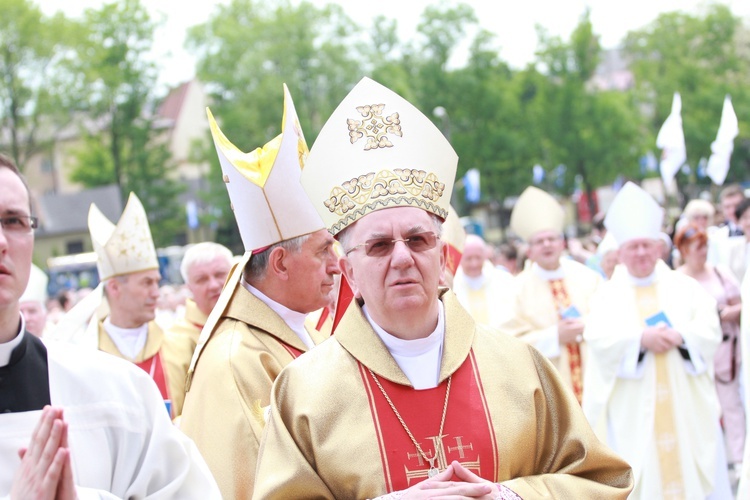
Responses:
[378,151]
[126,247]
[536,211]
[634,214]
[264,189]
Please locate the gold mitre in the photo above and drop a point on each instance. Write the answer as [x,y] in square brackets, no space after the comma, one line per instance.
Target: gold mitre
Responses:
[378,151]
[126,247]
[264,189]
[536,211]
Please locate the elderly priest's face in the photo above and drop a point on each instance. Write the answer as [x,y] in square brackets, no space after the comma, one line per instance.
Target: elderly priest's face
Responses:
[395,279]
[640,256]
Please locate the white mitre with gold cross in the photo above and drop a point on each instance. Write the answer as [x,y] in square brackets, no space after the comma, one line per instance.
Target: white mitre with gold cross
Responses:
[264,189]
[634,214]
[126,247]
[536,211]
[378,151]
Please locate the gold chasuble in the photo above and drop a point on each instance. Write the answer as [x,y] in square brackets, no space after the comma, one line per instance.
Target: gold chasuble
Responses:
[165,358]
[536,309]
[231,388]
[665,438]
[189,325]
[333,434]
[660,412]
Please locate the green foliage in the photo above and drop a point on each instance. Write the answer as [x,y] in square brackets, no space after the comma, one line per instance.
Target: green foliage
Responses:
[117,80]
[500,120]
[31,46]
[314,50]
[704,58]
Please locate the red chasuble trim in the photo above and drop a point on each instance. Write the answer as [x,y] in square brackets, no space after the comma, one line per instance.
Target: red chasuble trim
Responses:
[154,367]
[468,435]
[295,353]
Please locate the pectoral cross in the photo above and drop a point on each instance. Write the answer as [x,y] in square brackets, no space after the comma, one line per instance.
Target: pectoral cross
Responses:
[439,456]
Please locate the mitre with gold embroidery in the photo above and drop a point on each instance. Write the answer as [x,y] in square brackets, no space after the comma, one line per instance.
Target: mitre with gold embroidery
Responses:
[264,188]
[126,247]
[378,151]
[536,211]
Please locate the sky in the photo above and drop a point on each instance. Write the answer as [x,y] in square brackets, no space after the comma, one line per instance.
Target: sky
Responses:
[512,22]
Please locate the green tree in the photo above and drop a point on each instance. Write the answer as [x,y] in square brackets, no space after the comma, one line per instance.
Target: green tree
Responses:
[595,134]
[31,47]
[117,81]
[704,57]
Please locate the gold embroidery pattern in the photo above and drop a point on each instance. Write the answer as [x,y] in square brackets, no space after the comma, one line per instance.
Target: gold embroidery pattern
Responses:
[402,183]
[374,126]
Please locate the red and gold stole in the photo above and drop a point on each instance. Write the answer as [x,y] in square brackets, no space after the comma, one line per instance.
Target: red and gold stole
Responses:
[155,368]
[562,302]
[293,351]
[468,435]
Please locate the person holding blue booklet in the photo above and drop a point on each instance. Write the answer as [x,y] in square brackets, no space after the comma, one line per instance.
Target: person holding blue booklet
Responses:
[649,388]
[553,293]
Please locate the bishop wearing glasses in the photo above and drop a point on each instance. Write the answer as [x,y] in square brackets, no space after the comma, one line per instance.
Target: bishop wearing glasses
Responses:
[410,397]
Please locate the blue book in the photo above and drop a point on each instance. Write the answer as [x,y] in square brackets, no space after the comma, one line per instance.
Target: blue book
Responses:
[571,312]
[658,319]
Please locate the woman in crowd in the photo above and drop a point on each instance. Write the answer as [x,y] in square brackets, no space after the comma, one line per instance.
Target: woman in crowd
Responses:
[692,243]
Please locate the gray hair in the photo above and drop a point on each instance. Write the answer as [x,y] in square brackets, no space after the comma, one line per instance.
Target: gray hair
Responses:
[343,235]
[200,253]
[255,270]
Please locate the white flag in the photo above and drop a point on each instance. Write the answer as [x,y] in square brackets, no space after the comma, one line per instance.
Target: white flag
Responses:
[722,147]
[671,140]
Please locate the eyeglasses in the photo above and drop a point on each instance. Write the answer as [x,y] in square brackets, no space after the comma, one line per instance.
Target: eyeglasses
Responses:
[19,224]
[381,247]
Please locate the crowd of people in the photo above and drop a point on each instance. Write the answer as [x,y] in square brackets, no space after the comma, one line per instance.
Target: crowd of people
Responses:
[364,346]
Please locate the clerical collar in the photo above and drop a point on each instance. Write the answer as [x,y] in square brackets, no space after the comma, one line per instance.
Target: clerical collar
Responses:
[6,349]
[646,281]
[555,274]
[419,359]
[129,341]
[476,282]
[294,320]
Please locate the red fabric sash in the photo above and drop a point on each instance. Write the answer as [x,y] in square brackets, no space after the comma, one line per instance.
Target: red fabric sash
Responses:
[468,435]
[295,353]
[562,301]
[153,366]
[454,259]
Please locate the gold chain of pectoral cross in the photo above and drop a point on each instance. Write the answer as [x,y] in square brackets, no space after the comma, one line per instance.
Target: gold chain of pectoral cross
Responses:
[433,470]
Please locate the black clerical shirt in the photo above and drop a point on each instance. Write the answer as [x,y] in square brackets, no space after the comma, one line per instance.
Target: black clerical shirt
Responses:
[24,381]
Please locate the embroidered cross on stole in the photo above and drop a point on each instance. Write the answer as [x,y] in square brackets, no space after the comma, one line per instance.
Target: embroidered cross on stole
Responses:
[667,446]
[468,435]
[562,302]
